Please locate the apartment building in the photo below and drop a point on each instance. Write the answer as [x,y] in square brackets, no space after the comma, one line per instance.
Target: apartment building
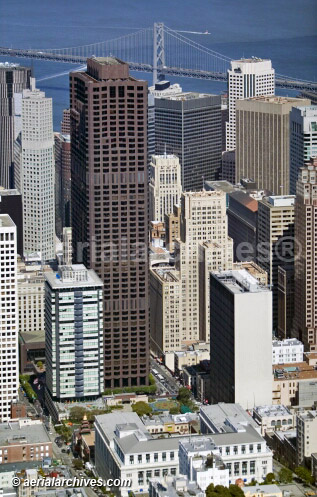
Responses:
[73,334]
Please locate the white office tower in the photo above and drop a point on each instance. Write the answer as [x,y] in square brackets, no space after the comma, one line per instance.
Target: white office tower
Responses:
[74,333]
[240,339]
[34,157]
[303,140]
[9,362]
[67,246]
[165,186]
[246,78]
[203,219]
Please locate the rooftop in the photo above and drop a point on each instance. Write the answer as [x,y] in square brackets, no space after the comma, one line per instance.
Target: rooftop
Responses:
[74,276]
[288,342]
[275,99]
[175,487]
[266,489]
[33,337]
[6,193]
[239,281]
[272,411]
[307,415]
[245,199]
[302,371]
[6,221]
[108,61]
[225,418]
[223,185]
[166,275]
[14,434]
[281,200]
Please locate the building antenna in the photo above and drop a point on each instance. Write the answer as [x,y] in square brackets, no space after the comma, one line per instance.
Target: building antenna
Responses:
[165,150]
[203,178]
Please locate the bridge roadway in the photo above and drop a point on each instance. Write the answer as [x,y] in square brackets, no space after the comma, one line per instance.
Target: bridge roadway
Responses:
[140,67]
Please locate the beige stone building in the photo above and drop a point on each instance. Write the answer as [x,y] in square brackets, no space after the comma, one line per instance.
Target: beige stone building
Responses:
[254,269]
[213,256]
[287,378]
[305,315]
[203,219]
[262,141]
[31,293]
[165,310]
[172,226]
[165,185]
[306,435]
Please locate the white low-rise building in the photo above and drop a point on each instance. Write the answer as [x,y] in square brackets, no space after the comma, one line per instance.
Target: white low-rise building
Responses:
[237,437]
[125,449]
[274,417]
[287,351]
[200,461]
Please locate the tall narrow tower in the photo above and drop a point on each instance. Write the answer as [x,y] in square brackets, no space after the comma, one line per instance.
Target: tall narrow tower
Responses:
[13,79]
[109,207]
[35,151]
[305,315]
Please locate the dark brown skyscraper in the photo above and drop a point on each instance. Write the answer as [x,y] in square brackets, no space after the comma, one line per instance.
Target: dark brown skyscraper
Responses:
[109,207]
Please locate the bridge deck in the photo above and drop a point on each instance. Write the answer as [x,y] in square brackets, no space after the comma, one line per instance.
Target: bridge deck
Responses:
[135,66]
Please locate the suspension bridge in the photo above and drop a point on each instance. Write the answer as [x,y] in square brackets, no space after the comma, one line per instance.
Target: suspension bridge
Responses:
[158,50]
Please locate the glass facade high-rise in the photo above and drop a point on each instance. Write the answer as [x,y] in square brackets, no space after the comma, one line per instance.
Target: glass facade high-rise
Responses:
[189,126]
[109,207]
[73,333]
[303,140]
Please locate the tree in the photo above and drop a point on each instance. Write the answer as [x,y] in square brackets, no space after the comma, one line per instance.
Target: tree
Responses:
[304,474]
[39,364]
[77,413]
[174,410]
[78,464]
[141,408]
[285,475]
[221,491]
[183,395]
[270,477]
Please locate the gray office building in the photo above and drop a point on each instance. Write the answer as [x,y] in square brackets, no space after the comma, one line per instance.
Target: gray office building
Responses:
[13,79]
[189,126]
[303,140]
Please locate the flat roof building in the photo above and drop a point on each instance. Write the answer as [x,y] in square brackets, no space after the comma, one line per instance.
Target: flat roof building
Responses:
[240,321]
[262,152]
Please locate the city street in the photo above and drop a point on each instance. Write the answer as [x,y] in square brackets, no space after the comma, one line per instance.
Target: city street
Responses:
[170,385]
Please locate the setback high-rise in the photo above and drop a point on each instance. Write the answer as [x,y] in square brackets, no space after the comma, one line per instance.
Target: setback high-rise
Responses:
[203,219]
[246,78]
[109,207]
[13,80]
[189,126]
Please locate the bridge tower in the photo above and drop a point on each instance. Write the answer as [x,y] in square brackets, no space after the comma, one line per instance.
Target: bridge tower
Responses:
[158,50]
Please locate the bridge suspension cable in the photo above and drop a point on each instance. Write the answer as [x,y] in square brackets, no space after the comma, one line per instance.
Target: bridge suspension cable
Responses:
[157,49]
